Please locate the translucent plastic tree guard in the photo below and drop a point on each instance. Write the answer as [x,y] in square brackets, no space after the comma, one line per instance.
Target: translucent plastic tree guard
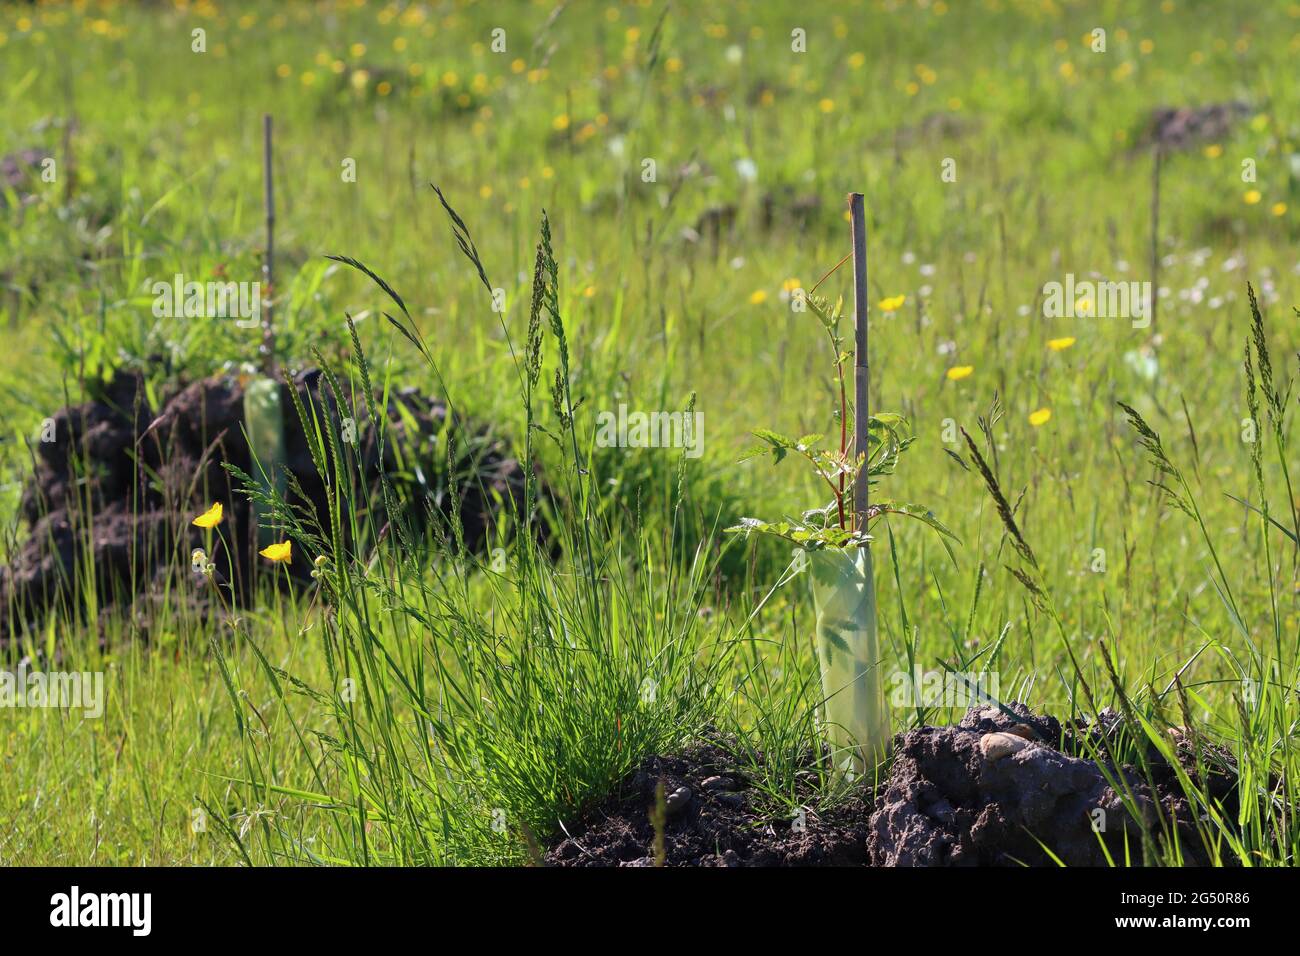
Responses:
[848,650]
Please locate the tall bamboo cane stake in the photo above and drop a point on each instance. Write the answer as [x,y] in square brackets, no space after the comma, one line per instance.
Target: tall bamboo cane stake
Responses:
[1155,235]
[268,263]
[857,216]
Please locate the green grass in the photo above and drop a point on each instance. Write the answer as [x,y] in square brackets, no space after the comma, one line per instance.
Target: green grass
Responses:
[521,691]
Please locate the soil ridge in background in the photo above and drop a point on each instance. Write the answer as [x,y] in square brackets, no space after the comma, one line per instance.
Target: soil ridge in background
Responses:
[117,488]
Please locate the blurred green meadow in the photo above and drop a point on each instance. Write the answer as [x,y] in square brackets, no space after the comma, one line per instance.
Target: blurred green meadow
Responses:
[694,167]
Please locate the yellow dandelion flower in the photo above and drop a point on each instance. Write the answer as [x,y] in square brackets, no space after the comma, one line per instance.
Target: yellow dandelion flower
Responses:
[958,372]
[892,303]
[210,518]
[826,105]
[1278,209]
[1040,417]
[1252,196]
[757,297]
[560,122]
[789,285]
[1213,151]
[282,552]
[1061,344]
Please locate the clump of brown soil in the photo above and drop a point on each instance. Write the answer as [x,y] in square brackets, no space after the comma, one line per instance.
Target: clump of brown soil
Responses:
[1182,127]
[997,791]
[714,818]
[991,791]
[18,171]
[115,491]
[930,129]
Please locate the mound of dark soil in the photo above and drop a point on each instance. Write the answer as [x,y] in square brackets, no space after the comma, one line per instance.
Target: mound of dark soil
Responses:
[1183,127]
[713,819]
[18,171]
[995,791]
[991,791]
[116,489]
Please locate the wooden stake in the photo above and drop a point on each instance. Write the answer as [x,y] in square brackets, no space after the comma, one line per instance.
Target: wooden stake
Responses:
[268,263]
[1155,234]
[861,415]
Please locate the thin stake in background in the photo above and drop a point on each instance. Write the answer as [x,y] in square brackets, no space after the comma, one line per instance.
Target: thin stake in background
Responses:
[268,263]
[1155,233]
[861,414]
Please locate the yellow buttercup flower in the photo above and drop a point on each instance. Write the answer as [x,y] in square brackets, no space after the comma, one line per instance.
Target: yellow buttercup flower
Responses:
[1040,417]
[758,297]
[958,372]
[1252,196]
[1061,344]
[892,303]
[210,518]
[282,552]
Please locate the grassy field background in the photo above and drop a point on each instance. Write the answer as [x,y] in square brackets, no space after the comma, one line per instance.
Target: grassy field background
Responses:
[668,287]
